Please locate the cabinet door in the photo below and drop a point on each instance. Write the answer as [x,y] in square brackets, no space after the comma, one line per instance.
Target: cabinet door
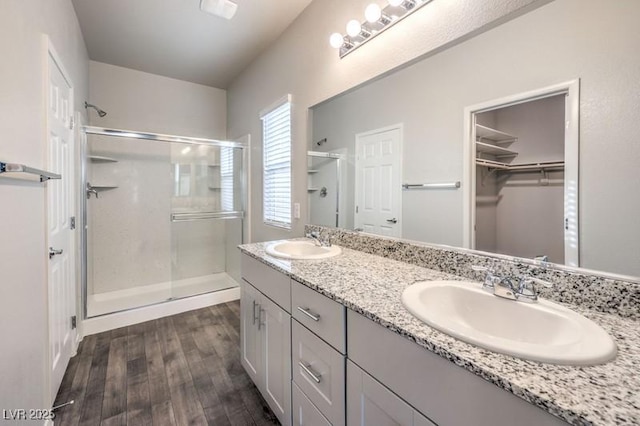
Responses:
[275,327]
[369,403]
[304,412]
[250,347]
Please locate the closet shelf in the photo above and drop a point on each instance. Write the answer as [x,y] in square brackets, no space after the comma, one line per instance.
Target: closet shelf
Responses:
[101,159]
[524,167]
[493,135]
[498,151]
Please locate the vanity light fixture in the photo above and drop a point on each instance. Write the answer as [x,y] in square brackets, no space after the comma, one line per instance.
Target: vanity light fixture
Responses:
[377,19]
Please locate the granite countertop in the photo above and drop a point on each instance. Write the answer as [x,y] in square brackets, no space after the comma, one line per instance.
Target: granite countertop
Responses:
[372,286]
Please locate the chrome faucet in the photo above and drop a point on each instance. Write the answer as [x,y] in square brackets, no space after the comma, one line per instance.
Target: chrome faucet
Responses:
[91,190]
[523,291]
[315,236]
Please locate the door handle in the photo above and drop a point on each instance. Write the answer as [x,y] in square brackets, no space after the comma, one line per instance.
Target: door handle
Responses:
[54,252]
[394,220]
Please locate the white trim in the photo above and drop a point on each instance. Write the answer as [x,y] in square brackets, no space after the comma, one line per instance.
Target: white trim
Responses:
[572,90]
[283,100]
[400,128]
[135,316]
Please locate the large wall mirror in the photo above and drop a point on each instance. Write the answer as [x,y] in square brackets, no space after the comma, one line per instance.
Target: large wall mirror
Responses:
[522,141]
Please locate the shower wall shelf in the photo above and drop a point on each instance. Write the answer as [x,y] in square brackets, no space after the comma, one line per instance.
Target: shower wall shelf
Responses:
[101,159]
[310,171]
[484,133]
[21,168]
[312,189]
[103,187]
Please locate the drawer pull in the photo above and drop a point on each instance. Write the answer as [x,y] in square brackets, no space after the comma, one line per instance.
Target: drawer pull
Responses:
[314,317]
[316,377]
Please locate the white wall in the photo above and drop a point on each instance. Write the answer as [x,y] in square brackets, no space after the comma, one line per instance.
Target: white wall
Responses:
[132,242]
[302,63]
[23,259]
[544,47]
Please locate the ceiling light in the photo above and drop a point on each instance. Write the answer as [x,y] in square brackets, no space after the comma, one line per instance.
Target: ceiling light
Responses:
[395,3]
[373,13]
[336,40]
[353,27]
[222,8]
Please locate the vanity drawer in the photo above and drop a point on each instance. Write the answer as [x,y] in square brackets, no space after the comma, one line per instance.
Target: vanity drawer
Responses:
[319,371]
[319,314]
[273,284]
[304,412]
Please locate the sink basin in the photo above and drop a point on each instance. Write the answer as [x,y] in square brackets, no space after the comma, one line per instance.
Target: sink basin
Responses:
[542,331]
[301,249]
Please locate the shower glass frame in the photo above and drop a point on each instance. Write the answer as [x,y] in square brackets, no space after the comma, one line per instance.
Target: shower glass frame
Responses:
[159,137]
[339,159]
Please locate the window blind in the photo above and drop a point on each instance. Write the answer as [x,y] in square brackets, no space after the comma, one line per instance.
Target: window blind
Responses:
[276,138]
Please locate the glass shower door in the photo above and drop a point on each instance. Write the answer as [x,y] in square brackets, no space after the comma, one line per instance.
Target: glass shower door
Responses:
[206,218]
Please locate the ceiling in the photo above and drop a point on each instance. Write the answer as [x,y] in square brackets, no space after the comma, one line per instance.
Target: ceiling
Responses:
[175,39]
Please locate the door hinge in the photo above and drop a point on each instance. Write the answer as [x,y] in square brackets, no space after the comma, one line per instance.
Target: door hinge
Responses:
[356,209]
[74,322]
[71,123]
[72,222]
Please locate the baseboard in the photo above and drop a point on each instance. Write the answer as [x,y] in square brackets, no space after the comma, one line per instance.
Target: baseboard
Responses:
[135,316]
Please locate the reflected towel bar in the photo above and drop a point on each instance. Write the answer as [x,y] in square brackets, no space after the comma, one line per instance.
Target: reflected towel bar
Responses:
[448,185]
[21,168]
[191,216]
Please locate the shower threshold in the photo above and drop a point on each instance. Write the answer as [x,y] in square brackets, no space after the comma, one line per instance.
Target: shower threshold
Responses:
[137,297]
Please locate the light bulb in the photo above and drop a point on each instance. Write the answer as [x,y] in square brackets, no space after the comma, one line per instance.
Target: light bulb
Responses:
[373,13]
[395,3]
[336,40]
[353,28]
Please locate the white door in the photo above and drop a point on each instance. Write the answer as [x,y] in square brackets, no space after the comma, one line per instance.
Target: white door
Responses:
[61,278]
[378,181]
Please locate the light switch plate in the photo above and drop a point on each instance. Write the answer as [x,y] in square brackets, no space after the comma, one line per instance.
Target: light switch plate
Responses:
[296,210]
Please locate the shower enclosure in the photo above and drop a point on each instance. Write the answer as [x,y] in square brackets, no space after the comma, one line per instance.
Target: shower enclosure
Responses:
[163,216]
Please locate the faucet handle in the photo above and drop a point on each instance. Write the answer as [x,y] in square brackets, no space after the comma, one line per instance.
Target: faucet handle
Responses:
[490,280]
[527,289]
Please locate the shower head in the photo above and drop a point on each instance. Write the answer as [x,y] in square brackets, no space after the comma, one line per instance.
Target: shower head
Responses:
[100,112]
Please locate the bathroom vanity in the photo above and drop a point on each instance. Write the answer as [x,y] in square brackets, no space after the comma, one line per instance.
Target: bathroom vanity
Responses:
[328,342]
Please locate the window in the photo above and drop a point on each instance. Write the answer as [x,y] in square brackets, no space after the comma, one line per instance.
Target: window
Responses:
[276,140]
[226,178]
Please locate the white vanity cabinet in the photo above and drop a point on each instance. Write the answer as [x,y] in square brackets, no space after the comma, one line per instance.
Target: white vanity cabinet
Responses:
[447,394]
[318,355]
[372,404]
[266,334]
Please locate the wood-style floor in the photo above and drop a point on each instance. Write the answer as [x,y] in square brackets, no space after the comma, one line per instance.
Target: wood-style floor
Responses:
[179,370]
